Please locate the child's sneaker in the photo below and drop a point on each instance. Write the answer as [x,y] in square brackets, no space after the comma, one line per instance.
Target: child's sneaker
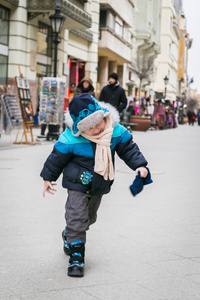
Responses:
[76,261]
[66,246]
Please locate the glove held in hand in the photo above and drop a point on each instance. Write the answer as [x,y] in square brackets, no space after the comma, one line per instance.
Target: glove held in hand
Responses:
[139,182]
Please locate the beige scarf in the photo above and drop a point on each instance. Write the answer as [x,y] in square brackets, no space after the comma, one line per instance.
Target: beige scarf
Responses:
[103,160]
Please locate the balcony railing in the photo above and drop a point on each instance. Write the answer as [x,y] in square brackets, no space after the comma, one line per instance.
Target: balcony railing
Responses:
[13,2]
[83,34]
[67,8]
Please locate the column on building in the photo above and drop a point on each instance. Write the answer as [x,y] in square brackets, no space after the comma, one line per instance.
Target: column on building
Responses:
[17,43]
[103,71]
[113,66]
[4,41]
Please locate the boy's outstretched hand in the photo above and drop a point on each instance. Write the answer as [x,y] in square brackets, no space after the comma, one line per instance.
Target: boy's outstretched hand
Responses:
[48,187]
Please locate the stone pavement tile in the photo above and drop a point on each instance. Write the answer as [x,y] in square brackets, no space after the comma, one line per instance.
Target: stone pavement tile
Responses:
[64,294]
[153,254]
[39,275]
[32,252]
[94,275]
[137,251]
[39,283]
[173,288]
[35,283]
[197,259]
[5,292]
[194,277]
[128,266]
[122,290]
[13,265]
[187,251]
[178,267]
[184,236]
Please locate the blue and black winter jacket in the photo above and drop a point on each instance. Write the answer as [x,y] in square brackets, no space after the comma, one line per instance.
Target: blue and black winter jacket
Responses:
[74,156]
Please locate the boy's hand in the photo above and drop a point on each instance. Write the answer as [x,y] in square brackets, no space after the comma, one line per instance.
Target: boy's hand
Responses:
[143,171]
[48,187]
[143,177]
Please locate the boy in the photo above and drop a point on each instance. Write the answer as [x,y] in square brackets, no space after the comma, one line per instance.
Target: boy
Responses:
[85,155]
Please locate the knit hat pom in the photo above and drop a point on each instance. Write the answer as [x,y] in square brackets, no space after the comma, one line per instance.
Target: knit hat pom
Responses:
[86,113]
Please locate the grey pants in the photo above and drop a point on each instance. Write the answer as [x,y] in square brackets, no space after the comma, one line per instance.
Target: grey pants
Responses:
[80,213]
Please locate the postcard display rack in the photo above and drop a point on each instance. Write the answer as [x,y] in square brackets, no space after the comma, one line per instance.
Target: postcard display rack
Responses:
[26,110]
[51,103]
[10,110]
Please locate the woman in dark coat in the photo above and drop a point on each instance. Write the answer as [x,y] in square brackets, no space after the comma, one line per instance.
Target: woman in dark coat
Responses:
[85,86]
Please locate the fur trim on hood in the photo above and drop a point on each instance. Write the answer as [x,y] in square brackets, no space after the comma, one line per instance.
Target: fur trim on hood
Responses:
[113,113]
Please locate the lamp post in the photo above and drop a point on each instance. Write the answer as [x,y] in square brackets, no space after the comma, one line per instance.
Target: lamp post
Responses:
[56,23]
[166,80]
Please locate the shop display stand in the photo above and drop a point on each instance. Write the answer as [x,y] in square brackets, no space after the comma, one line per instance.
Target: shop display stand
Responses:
[11,111]
[51,105]
[26,110]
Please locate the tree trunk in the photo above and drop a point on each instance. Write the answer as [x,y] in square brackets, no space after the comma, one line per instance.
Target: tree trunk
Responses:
[140,88]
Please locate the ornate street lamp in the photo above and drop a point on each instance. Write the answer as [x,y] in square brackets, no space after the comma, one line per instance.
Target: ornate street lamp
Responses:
[166,80]
[56,23]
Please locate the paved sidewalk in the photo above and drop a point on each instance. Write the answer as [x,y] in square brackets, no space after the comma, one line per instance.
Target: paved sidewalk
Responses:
[7,140]
[142,248]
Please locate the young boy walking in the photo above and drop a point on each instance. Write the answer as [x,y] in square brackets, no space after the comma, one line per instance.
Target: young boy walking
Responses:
[84,154]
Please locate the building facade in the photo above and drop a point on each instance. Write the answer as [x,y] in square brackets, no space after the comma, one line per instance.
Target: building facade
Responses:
[142,40]
[167,62]
[115,40]
[148,30]
[27,41]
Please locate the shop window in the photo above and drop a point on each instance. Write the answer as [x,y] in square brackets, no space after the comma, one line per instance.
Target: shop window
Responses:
[44,40]
[3,68]
[4,25]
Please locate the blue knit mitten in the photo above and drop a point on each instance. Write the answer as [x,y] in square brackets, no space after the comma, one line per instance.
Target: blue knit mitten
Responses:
[139,182]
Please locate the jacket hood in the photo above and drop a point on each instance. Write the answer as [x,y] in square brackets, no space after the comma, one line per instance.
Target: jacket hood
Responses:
[88,80]
[113,113]
[113,86]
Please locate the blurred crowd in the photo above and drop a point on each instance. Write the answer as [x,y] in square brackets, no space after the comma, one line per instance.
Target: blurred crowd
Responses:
[163,113]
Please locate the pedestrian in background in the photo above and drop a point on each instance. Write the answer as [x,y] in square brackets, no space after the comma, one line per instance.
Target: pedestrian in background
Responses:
[198,117]
[114,94]
[85,86]
[85,154]
[191,117]
[130,110]
[3,116]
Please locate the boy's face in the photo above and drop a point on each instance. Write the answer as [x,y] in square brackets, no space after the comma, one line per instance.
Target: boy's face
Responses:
[99,128]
